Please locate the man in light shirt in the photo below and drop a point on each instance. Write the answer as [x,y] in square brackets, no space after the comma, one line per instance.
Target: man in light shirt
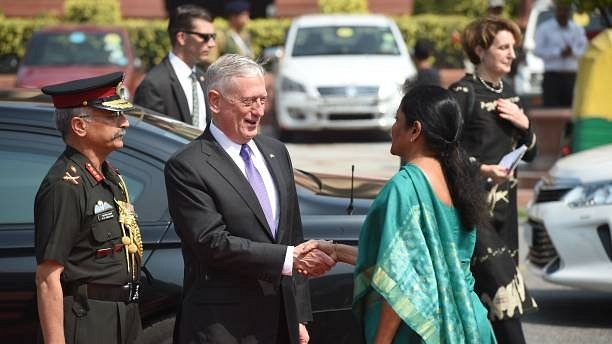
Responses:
[175,86]
[560,43]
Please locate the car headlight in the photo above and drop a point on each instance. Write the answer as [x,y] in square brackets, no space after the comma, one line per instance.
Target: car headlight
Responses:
[590,195]
[290,85]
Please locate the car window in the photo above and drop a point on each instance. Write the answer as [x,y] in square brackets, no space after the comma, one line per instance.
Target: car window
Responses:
[76,48]
[23,168]
[27,157]
[345,40]
[144,177]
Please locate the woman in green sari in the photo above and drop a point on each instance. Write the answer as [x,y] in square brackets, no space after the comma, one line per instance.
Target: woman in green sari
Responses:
[412,277]
[412,269]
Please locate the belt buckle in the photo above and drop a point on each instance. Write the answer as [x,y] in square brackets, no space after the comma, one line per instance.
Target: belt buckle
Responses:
[134,291]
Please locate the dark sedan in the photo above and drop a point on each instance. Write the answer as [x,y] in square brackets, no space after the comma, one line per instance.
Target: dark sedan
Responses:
[332,207]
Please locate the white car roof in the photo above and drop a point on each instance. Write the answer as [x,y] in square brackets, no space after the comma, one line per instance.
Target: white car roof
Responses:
[341,19]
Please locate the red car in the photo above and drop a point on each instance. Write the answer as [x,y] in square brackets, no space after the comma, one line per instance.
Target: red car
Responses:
[66,52]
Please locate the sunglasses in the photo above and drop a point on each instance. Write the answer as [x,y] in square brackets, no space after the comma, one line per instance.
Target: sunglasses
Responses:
[204,36]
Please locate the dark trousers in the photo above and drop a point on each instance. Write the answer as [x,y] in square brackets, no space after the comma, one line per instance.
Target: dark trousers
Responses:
[508,331]
[100,322]
[558,89]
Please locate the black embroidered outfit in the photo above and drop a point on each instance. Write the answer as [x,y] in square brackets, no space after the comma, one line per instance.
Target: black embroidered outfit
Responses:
[487,138]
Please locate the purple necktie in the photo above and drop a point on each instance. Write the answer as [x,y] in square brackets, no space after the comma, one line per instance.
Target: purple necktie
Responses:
[258,186]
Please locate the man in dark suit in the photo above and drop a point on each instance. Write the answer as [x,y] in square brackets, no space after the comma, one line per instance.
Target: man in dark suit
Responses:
[175,86]
[232,197]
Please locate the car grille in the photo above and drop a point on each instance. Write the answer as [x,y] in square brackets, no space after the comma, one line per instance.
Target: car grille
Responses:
[350,117]
[348,91]
[542,250]
[550,195]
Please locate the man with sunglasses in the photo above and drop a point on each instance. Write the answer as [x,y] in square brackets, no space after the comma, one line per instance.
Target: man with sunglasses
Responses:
[175,86]
[87,240]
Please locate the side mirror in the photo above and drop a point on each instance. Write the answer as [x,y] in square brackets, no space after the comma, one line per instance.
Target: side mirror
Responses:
[137,63]
[271,57]
[9,63]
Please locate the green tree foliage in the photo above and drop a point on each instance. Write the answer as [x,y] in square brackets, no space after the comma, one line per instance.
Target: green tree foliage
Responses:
[96,12]
[343,6]
[468,8]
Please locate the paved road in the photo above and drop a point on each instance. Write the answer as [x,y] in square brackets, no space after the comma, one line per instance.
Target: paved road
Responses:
[566,315]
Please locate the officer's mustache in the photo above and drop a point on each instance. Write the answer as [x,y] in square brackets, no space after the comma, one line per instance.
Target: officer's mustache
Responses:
[120,134]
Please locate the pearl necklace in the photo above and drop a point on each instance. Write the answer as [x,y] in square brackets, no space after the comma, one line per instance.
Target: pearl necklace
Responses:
[490,88]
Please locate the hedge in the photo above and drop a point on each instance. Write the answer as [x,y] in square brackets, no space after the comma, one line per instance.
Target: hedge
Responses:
[151,41]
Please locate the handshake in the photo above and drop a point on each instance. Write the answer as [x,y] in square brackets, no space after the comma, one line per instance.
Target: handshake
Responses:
[316,257]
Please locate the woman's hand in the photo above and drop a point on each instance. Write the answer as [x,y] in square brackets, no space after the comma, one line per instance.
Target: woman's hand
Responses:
[314,257]
[512,113]
[494,173]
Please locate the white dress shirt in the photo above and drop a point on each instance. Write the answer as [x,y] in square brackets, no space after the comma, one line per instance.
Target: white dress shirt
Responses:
[551,39]
[183,72]
[233,150]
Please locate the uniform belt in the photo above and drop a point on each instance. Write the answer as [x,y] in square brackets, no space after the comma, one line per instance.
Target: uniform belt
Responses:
[105,292]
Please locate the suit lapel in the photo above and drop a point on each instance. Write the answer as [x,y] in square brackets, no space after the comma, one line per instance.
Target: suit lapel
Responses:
[219,160]
[178,93]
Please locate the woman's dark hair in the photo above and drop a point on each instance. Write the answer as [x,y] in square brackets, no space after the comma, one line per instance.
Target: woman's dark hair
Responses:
[441,123]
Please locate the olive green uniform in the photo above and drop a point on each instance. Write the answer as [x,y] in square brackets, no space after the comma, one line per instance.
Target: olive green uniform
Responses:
[77,224]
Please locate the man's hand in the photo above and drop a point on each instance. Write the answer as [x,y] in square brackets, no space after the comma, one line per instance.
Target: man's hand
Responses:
[310,260]
[567,51]
[304,336]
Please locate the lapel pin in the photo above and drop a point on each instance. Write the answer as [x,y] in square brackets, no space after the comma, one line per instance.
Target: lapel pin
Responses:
[272,156]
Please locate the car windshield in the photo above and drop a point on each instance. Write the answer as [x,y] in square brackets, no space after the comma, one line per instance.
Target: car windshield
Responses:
[339,185]
[76,48]
[167,126]
[345,40]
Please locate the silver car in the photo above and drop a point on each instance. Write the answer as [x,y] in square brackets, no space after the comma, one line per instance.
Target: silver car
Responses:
[569,220]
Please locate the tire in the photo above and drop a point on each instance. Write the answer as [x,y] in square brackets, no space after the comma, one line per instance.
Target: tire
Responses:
[159,332]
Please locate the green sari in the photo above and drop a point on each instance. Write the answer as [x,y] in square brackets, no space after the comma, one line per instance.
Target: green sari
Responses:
[414,254]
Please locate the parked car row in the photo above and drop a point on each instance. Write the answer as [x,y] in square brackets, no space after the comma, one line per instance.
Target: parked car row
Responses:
[29,144]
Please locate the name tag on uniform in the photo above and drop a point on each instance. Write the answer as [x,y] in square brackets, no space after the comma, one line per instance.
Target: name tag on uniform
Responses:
[105,215]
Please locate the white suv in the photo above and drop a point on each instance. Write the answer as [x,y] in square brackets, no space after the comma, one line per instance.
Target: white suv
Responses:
[341,72]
